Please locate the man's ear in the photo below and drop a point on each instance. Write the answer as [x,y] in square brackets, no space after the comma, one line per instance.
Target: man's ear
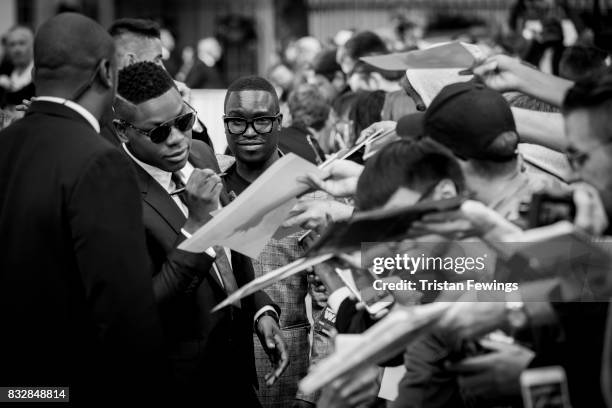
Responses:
[279,122]
[445,189]
[107,73]
[120,130]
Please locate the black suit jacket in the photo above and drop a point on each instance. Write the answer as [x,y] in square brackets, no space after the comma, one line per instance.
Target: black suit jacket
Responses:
[76,303]
[210,352]
[294,139]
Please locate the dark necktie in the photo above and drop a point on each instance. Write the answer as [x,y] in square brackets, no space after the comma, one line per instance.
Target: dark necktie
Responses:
[225,271]
[179,187]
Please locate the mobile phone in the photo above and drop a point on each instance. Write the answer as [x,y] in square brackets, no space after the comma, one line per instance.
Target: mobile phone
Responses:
[545,387]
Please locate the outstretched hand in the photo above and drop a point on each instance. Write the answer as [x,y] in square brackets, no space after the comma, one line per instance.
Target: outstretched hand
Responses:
[271,338]
[339,179]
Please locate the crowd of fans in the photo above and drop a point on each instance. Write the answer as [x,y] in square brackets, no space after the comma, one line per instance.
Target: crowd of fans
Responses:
[105,169]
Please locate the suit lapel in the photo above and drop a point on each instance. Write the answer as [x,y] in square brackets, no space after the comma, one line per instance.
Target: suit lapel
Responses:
[159,199]
[154,195]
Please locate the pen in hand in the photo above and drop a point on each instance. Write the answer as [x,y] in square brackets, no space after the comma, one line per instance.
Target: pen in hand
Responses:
[182,189]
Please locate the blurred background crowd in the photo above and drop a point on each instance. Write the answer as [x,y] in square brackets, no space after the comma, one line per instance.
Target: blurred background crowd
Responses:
[536,69]
[209,44]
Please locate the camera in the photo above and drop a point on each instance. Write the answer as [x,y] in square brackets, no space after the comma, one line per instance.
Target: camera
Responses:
[547,208]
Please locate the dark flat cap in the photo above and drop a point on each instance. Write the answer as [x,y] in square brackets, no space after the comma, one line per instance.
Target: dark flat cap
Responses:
[411,126]
[466,117]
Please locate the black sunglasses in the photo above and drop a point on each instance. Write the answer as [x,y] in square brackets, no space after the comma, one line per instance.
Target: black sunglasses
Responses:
[261,124]
[161,132]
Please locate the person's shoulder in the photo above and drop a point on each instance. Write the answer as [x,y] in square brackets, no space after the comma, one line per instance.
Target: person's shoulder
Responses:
[198,146]
[86,150]
[202,155]
[61,137]
[293,130]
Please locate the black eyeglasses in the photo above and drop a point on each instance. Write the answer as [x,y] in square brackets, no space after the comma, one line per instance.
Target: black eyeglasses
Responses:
[577,158]
[161,132]
[261,124]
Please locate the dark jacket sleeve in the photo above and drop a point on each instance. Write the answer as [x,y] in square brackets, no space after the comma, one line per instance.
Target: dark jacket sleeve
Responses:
[181,273]
[105,221]
[259,299]
[351,320]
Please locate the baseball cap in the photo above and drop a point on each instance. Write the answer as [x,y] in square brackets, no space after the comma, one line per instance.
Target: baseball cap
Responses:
[467,117]
[411,126]
[450,55]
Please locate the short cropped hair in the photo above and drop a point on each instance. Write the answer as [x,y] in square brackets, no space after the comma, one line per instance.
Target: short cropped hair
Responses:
[137,26]
[251,83]
[365,43]
[417,165]
[308,107]
[325,64]
[143,81]
[580,62]
[595,96]
[67,48]
[19,27]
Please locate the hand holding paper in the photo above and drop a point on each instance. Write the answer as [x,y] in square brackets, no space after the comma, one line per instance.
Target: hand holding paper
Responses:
[383,340]
[338,178]
[248,222]
[431,69]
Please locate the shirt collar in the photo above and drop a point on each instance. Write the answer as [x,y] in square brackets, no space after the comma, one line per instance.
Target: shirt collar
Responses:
[164,178]
[75,107]
[23,77]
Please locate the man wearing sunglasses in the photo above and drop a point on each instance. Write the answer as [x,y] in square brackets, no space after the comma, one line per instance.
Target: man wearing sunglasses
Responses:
[209,353]
[138,40]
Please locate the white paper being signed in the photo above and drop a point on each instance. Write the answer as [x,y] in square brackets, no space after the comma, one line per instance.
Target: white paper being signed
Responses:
[248,222]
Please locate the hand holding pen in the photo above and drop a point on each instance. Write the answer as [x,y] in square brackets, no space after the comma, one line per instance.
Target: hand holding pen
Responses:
[500,72]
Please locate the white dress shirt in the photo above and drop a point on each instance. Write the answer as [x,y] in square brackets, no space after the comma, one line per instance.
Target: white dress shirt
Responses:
[21,78]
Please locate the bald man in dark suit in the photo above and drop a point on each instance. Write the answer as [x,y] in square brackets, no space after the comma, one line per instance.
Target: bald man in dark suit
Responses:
[76,303]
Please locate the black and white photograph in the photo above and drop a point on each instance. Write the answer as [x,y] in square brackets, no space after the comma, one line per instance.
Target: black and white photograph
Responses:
[306,203]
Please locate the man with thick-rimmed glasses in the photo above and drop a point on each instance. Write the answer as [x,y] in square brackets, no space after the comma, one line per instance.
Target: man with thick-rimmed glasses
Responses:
[252,127]
[209,353]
